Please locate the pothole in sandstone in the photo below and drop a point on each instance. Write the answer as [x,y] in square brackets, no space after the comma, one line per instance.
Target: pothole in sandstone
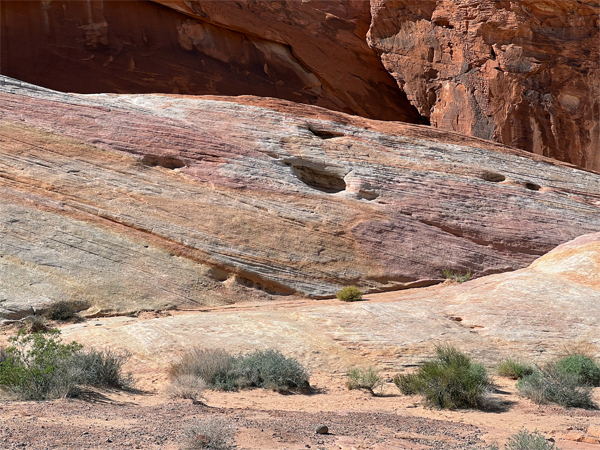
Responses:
[493,177]
[319,179]
[533,186]
[168,162]
[325,134]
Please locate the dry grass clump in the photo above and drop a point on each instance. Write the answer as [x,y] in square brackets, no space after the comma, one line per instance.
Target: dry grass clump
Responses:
[209,433]
[512,368]
[187,387]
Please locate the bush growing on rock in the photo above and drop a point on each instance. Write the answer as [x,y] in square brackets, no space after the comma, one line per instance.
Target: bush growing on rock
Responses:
[268,369]
[514,369]
[457,276]
[450,380]
[39,366]
[349,294]
[364,378]
[63,311]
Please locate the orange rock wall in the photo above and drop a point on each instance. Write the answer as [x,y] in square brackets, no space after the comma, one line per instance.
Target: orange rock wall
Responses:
[314,53]
[524,73]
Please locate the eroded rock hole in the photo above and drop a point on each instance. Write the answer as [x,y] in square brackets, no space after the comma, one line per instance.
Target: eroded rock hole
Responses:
[325,134]
[443,23]
[319,179]
[493,177]
[533,186]
[168,162]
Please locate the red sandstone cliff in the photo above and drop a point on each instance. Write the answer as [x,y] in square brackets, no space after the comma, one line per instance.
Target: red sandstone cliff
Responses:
[526,73]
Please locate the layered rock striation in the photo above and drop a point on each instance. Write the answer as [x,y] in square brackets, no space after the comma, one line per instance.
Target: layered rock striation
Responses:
[133,202]
[526,73]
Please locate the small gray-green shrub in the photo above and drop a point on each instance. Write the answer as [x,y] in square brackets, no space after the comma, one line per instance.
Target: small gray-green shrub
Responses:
[514,369]
[364,378]
[551,385]
[524,440]
[584,367]
[209,433]
[450,380]
[457,276]
[262,368]
[39,366]
[349,294]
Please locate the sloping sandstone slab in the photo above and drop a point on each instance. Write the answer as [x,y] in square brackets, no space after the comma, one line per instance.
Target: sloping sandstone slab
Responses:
[534,313]
[151,201]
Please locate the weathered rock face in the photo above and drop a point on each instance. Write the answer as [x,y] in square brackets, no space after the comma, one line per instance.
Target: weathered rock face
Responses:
[310,52]
[524,73]
[151,201]
[531,313]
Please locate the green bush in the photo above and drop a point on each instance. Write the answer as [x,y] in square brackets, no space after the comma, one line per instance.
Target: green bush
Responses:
[511,368]
[550,385]
[39,366]
[213,434]
[457,276]
[349,294]
[364,378]
[263,368]
[450,380]
[583,366]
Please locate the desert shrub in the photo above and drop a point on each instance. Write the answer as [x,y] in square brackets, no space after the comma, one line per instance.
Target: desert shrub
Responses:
[457,276]
[514,369]
[36,323]
[524,440]
[450,380]
[3,355]
[262,368]
[364,378]
[584,367]
[99,368]
[203,363]
[349,294]
[39,366]
[188,387]
[62,311]
[209,433]
[269,369]
[550,385]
